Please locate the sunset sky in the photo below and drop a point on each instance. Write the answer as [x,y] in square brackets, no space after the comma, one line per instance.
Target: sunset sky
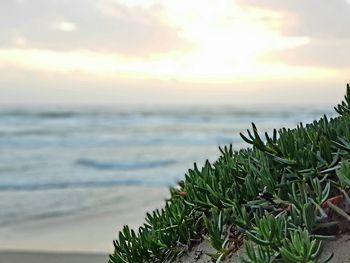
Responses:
[173,52]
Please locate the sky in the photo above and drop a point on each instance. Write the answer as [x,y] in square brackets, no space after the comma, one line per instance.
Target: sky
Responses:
[133,52]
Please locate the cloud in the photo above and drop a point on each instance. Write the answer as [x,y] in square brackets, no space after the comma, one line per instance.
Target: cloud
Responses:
[318,52]
[312,17]
[45,24]
[24,87]
[324,22]
[64,26]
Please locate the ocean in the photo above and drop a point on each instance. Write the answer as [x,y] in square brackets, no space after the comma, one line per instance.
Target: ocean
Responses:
[57,162]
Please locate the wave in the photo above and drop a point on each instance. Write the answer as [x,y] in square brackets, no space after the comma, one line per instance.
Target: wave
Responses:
[136,165]
[85,184]
[201,113]
[39,114]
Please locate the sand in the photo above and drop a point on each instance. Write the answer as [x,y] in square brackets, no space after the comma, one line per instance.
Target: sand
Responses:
[83,237]
[340,247]
[88,239]
[82,232]
[39,257]
[204,248]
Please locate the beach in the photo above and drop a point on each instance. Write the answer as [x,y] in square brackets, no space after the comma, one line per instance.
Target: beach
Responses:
[45,257]
[84,232]
[71,178]
[125,124]
[339,247]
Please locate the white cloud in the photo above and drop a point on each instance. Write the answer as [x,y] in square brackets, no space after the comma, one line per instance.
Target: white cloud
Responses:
[20,41]
[96,25]
[64,26]
[135,3]
[323,22]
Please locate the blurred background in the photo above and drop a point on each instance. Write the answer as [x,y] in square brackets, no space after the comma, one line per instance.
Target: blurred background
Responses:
[106,103]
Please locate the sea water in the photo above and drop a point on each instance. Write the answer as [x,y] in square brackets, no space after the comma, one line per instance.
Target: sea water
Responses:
[56,162]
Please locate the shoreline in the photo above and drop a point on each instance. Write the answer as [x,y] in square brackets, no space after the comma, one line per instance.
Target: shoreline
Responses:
[82,233]
[16,256]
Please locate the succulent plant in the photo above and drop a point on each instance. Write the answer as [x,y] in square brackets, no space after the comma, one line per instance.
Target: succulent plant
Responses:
[302,248]
[277,192]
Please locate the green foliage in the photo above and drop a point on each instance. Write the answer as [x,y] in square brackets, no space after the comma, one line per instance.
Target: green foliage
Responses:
[301,248]
[320,194]
[269,231]
[275,192]
[344,107]
[344,174]
[216,234]
[305,217]
[257,254]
